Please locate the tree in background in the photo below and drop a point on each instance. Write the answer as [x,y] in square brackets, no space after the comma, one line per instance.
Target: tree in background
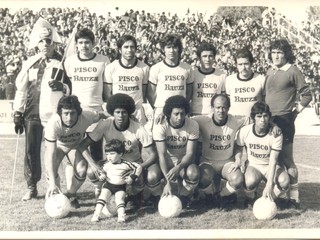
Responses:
[235,13]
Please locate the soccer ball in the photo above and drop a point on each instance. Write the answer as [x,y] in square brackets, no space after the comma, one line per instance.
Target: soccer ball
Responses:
[110,209]
[57,206]
[170,206]
[264,209]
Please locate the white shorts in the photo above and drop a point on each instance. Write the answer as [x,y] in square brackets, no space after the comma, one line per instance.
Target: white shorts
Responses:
[217,165]
[263,168]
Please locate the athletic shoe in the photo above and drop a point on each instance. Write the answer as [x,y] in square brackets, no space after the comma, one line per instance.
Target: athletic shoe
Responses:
[74,202]
[122,218]
[186,202]
[95,218]
[292,203]
[30,194]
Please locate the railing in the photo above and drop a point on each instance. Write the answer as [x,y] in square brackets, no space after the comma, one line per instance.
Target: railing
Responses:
[294,34]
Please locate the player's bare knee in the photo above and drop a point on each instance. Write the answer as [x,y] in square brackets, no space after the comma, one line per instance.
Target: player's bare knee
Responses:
[236,180]
[193,173]
[206,176]
[250,182]
[153,176]
[283,181]
[293,174]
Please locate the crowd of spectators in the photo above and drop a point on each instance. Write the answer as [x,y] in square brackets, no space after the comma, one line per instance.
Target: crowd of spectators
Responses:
[148,28]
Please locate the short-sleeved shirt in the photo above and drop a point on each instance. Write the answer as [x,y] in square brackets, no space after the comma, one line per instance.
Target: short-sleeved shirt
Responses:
[69,137]
[176,139]
[170,80]
[205,86]
[132,137]
[218,141]
[87,79]
[128,80]
[258,147]
[244,93]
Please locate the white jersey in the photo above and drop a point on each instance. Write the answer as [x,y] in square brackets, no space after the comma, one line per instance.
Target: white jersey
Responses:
[218,141]
[205,86]
[258,147]
[176,138]
[132,137]
[128,80]
[244,93]
[170,80]
[87,77]
[68,138]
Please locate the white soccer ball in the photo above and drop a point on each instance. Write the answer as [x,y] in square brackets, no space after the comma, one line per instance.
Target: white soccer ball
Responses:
[57,206]
[170,206]
[264,209]
[110,209]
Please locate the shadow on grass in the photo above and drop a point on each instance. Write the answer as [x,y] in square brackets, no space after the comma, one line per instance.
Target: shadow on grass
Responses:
[309,196]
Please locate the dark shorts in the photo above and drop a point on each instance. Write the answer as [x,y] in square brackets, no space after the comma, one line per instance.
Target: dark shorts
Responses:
[114,188]
[286,123]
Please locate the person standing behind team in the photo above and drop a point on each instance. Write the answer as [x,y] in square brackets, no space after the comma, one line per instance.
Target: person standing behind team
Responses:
[86,72]
[128,75]
[176,141]
[64,132]
[263,150]
[284,85]
[38,92]
[244,88]
[169,77]
[207,80]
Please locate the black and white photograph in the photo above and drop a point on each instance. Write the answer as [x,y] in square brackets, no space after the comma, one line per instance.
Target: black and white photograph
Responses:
[165,119]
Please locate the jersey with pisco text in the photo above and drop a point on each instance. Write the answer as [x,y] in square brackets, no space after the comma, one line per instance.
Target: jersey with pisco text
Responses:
[132,137]
[69,137]
[258,147]
[244,93]
[87,77]
[218,141]
[128,80]
[170,80]
[205,86]
[176,139]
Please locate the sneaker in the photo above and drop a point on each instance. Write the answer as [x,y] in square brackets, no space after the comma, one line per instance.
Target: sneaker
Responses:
[74,202]
[122,218]
[95,218]
[30,194]
[186,202]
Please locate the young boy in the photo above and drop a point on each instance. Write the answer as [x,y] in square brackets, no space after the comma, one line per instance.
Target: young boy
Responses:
[119,172]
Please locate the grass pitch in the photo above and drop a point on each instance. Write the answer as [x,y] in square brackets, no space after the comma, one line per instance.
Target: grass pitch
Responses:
[30,216]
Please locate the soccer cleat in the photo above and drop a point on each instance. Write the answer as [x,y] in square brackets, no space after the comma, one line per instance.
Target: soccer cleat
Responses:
[29,195]
[186,202]
[95,218]
[122,218]
[74,202]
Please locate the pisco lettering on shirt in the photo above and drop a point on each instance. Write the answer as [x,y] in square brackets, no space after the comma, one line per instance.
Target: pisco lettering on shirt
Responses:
[245,90]
[85,69]
[127,88]
[207,85]
[85,79]
[173,88]
[128,79]
[174,78]
[259,146]
[220,137]
[245,99]
[257,155]
[176,138]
